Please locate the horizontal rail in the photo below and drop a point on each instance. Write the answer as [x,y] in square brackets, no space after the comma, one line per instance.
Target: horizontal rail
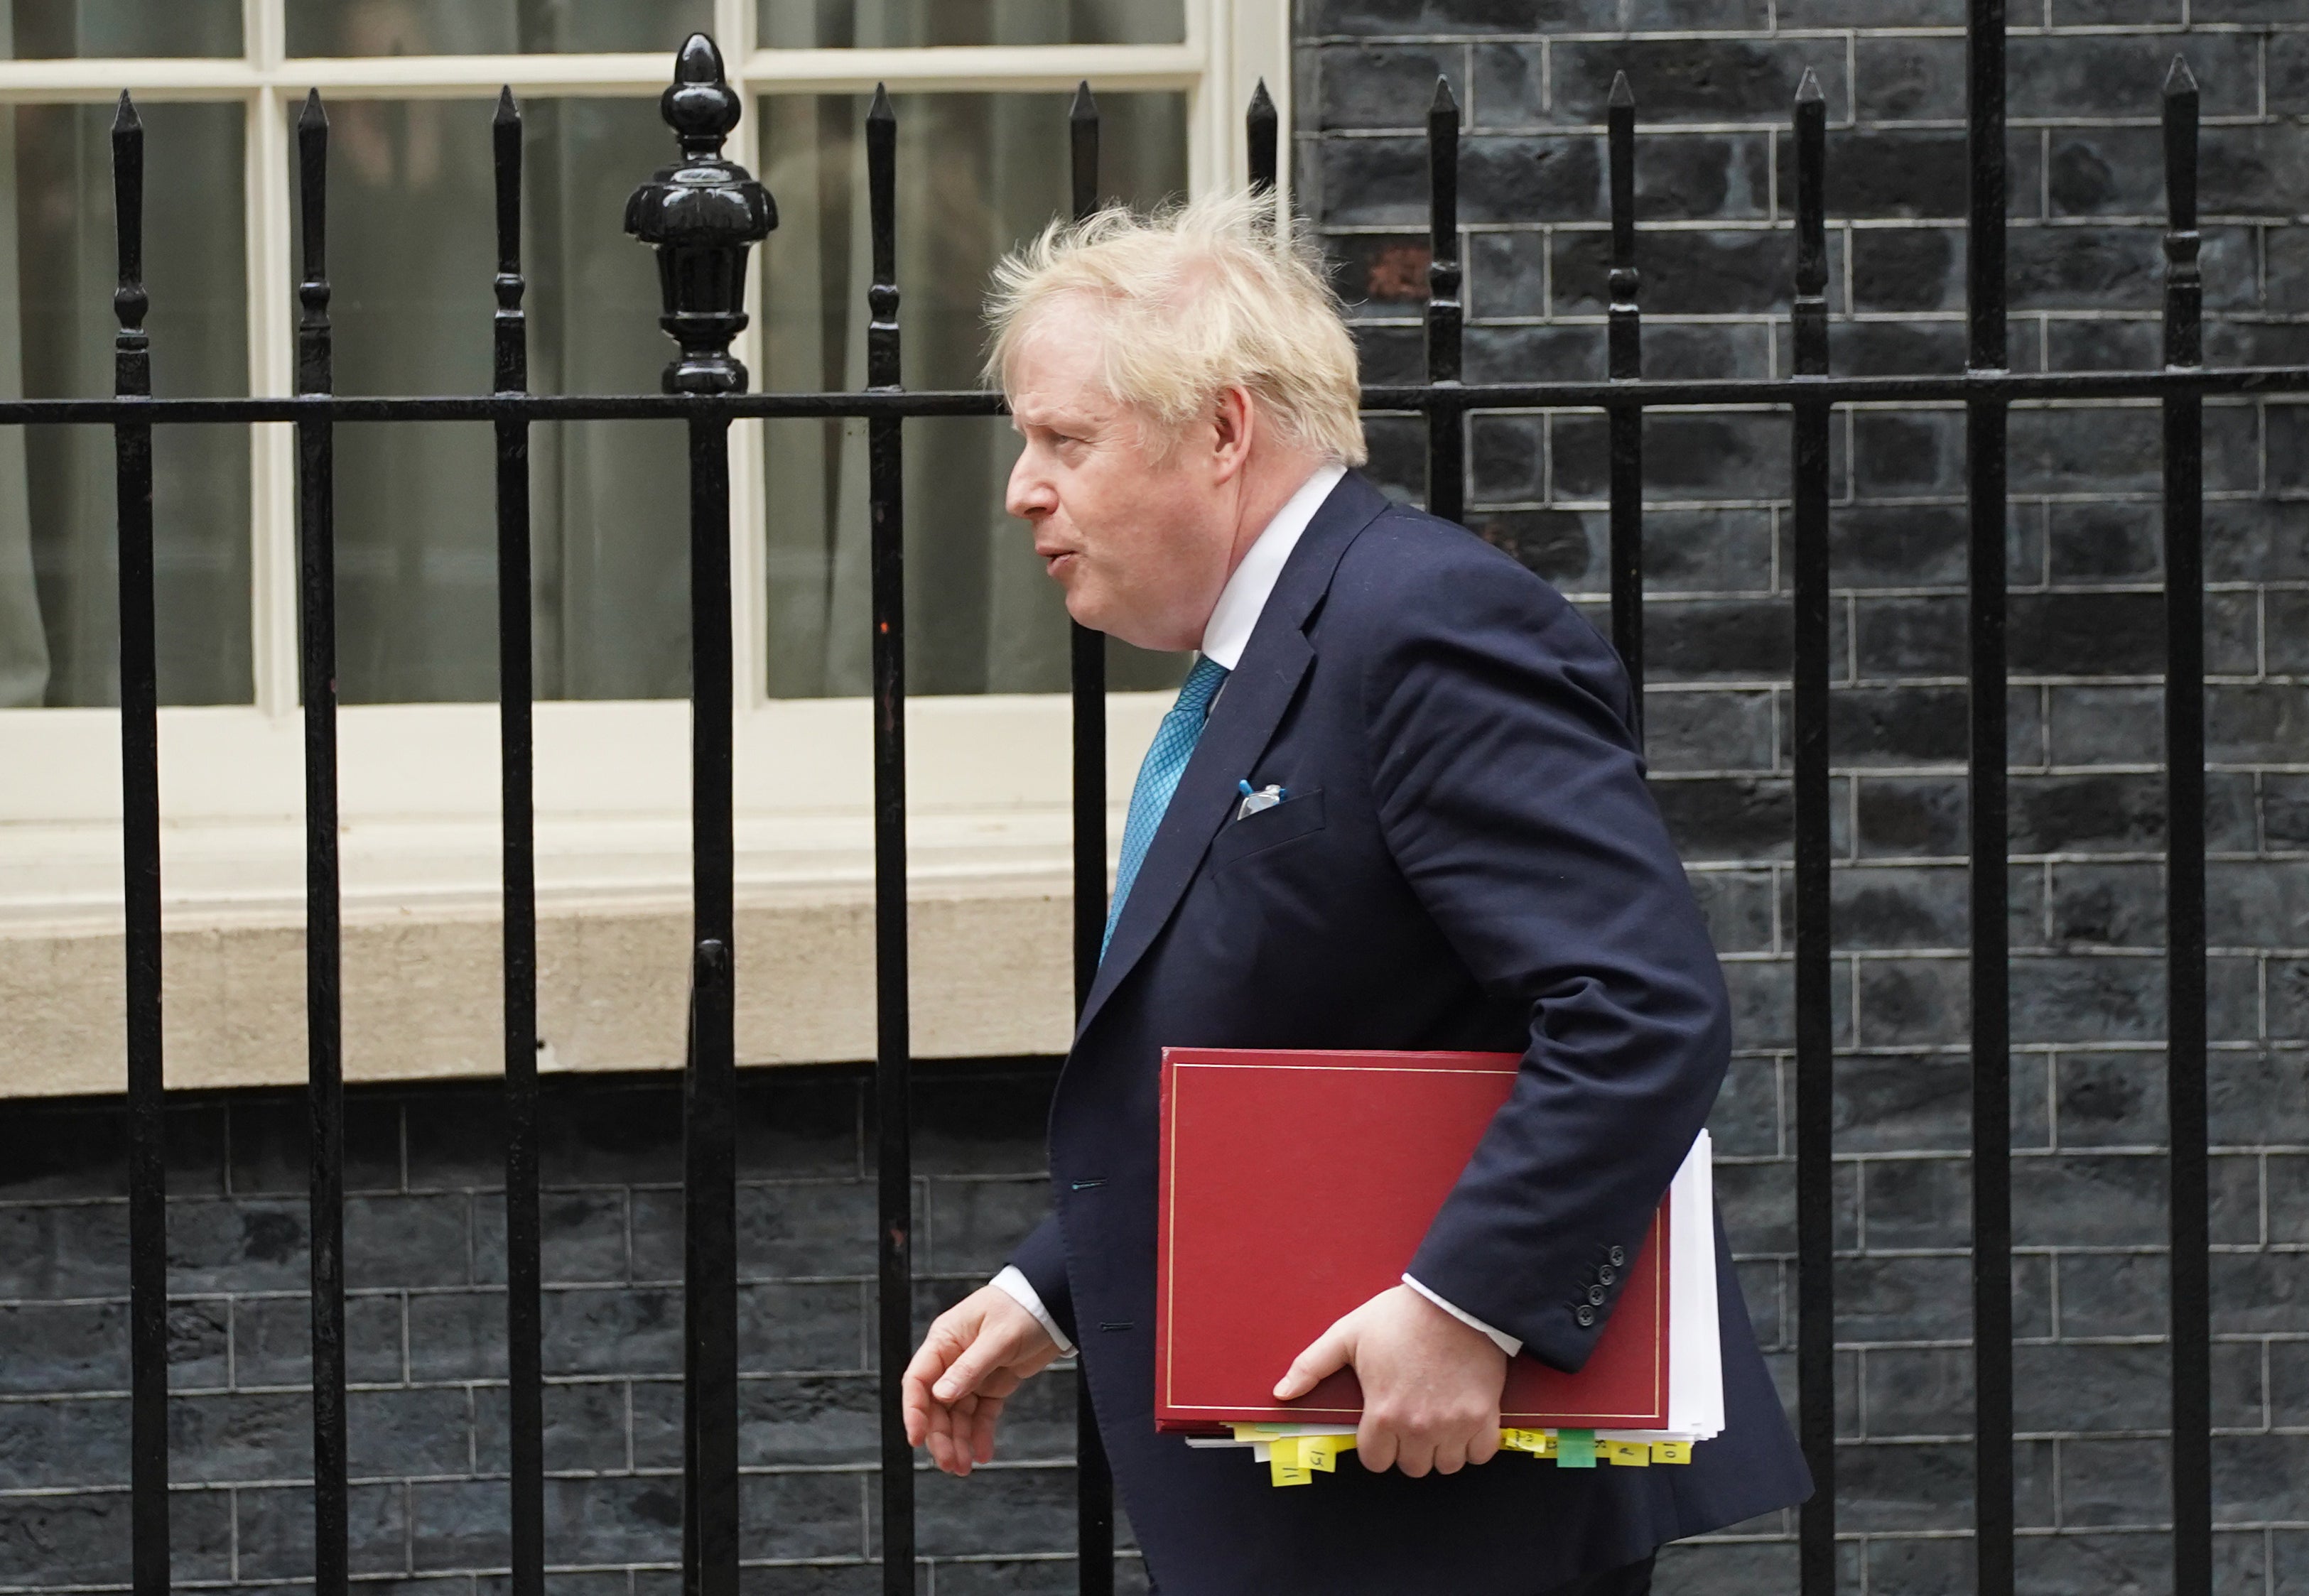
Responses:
[2011,387]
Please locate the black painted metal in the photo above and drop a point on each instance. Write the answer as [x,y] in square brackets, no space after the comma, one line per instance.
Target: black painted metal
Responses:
[1991,975]
[516,688]
[1626,421]
[1447,427]
[1260,127]
[1093,1479]
[140,849]
[893,1045]
[1815,1084]
[2006,388]
[2184,858]
[324,1019]
[703,214]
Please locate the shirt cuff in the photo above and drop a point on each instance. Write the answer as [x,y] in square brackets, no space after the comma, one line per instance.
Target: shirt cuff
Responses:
[1499,1338]
[1013,1283]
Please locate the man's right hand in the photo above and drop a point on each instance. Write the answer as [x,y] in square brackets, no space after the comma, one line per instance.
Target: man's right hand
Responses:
[977,1353]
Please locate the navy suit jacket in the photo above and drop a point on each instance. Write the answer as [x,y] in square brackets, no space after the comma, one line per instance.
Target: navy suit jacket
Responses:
[1469,858]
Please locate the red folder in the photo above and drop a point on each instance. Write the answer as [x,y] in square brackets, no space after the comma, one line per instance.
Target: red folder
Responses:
[1296,1185]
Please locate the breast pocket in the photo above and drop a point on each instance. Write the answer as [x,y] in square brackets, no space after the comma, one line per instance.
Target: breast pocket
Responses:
[1296,817]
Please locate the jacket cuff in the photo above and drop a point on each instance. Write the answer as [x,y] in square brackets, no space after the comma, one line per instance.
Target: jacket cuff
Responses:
[1040,1261]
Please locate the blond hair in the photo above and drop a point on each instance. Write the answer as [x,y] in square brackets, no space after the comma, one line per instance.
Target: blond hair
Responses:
[1193,299]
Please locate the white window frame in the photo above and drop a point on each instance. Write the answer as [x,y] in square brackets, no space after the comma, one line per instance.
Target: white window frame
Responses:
[419,782]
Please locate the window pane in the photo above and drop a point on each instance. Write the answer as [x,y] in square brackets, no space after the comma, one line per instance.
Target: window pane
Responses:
[44,30]
[869,24]
[490,27]
[412,252]
[977,173]
[58,572]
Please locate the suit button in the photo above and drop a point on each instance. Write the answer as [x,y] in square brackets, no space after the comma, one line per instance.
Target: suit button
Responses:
[1619,1255]
[1607,1274]
[1586,1316]
[1596,1295]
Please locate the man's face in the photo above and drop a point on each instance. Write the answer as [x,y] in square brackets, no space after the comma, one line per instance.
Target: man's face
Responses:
[1139,535]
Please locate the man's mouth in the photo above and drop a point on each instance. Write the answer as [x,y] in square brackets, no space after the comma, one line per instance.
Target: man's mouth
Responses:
[1057,562]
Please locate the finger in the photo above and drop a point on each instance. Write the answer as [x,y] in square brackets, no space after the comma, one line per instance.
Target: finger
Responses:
[1414,1456]
[1450,1457]
[983,1423]
[1484,1445]
[1375,1444]
[969,1368]
[1328,1353]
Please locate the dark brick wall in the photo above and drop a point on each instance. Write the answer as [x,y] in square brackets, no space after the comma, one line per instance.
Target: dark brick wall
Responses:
[424,1231]
[1712,83]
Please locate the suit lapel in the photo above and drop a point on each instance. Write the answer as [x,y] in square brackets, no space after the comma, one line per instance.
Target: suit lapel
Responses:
[1242,722]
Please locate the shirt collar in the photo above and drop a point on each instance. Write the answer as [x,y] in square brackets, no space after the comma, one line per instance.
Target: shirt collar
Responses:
[1228,632]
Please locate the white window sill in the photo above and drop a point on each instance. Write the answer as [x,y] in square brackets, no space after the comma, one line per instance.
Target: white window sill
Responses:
[990,843]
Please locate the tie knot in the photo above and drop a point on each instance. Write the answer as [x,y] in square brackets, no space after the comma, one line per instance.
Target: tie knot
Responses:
[1201,685]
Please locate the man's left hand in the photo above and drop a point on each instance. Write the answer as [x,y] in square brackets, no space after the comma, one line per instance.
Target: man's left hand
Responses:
[1431,1384]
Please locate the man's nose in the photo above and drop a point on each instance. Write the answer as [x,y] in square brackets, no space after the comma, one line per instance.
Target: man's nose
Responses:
[1029,494]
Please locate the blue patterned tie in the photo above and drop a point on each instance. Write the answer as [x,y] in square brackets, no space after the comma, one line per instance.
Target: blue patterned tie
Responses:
[1158,778]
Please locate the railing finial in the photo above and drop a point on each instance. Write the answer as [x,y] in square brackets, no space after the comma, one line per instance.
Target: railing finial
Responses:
[2180,80]
[702,215]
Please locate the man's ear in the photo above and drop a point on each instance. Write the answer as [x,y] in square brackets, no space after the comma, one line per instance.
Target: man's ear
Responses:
[1235,423]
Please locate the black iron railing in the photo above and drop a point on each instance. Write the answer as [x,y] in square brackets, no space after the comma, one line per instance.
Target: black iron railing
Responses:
[702,223]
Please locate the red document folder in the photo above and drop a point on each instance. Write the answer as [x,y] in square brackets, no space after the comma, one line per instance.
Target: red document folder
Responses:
[1296,1185]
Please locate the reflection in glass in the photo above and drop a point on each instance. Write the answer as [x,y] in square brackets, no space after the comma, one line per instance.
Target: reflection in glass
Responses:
[59,592]
[490,27]
[977,173]
[50,29]
[873,24]
[411,253]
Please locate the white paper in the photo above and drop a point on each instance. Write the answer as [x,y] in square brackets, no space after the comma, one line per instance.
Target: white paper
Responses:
[1695,1359]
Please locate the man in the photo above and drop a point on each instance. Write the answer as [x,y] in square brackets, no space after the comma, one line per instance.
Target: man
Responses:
[1464,856]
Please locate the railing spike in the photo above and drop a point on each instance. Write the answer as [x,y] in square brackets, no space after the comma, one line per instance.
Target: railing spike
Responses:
[1620,95]
[312,116]
[124,119]
[508,112]
[880,111]
[1085,107]
[2180,80]
[1808,88]
[1262,103]
[1443,101]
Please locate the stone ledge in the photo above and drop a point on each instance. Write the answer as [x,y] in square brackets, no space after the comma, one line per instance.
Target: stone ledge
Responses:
[992,976]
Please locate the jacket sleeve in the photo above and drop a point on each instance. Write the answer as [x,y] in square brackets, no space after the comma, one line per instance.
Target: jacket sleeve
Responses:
[1041,1258]
[1512,798]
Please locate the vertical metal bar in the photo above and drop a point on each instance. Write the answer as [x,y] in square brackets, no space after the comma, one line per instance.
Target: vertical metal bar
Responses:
[516,685]
[1093,1478]
[710,1095]
[1626,420]
[1992,1134]
[1815,1093]
[893,1045]
[1447,423]
[1260,126]
[324,1020]
[2185,855]
[140,847]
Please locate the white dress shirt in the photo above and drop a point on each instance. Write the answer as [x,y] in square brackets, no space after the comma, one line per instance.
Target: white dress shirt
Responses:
[1225,635]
